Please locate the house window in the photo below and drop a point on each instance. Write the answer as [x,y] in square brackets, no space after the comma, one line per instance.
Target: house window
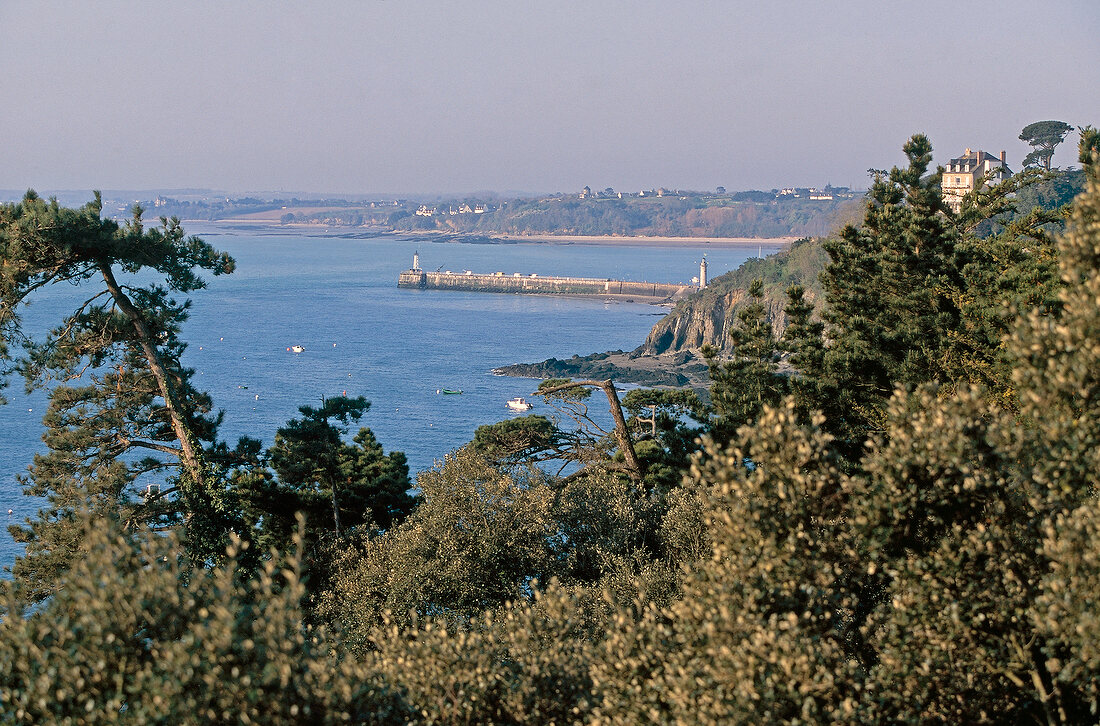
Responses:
[958,181]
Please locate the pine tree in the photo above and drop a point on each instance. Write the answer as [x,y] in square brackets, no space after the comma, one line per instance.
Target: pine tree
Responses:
[915,295]
[126,427]
[742,385]
[1043,136]
[112,455]
[340,487]
[803,340]
[891,295]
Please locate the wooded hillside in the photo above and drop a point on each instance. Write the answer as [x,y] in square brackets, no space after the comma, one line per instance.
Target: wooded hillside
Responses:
[673,216]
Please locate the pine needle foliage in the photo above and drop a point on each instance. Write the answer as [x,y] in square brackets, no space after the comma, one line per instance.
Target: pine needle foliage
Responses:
[126,428]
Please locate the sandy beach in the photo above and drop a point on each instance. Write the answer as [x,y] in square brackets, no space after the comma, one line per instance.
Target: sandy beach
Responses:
[646,241]
[259,222]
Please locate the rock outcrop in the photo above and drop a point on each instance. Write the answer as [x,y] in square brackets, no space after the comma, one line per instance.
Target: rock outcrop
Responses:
[705,317]
[677,370]
[703,320]
[670,355]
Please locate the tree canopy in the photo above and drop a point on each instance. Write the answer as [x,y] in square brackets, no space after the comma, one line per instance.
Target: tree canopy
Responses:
[899,525]
[1043,136]
[126,428]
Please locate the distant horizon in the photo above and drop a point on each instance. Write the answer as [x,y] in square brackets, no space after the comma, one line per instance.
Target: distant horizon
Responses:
[1065,149]
[11,195]
[450,99]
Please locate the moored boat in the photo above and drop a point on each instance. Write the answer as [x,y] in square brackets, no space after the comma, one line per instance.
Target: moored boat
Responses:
[518,404]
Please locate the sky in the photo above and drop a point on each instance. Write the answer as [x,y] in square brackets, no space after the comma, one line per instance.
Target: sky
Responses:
[435,96]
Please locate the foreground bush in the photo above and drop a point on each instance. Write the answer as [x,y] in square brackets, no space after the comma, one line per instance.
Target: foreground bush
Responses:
[133,637]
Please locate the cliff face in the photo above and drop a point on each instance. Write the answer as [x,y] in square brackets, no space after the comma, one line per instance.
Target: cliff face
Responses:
[707,315]
[670,355]
[702,318]
[705,319]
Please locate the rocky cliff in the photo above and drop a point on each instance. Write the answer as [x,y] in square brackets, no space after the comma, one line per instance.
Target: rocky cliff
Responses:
[707,315]
[705,319]
[670,354]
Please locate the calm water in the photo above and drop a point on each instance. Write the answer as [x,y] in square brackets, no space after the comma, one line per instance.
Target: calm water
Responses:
[338,298]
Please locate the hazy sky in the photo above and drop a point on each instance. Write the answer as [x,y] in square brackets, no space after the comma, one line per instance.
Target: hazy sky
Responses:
[438,96]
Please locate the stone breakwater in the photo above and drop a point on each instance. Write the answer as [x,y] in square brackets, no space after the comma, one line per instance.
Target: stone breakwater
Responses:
[540,285]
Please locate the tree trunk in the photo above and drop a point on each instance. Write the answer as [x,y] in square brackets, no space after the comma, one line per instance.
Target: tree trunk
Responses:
[190,458]
[625,440]
[626,443]
[336,506]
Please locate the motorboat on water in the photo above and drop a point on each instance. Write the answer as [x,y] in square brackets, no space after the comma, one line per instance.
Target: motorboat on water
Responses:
[518,404]
[448,391]
[296,349]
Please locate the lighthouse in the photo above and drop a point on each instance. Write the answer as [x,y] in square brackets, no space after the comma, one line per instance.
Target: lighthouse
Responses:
[703,273]
[414,277]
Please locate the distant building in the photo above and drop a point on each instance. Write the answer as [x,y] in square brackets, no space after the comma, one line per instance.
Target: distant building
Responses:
[586,192]
[425,211]
[969,172]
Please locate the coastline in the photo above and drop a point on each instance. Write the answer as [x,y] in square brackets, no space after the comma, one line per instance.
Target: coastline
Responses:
[496,238]
[684,369]
[641,241]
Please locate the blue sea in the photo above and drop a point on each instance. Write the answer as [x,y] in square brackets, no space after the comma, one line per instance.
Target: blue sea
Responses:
[337,297]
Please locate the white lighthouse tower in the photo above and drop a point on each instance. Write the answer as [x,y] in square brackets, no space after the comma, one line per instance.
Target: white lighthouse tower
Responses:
[416,260]
[703,273]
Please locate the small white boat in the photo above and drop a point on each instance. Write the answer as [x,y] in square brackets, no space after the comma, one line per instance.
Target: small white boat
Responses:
[295,349]
[518,404]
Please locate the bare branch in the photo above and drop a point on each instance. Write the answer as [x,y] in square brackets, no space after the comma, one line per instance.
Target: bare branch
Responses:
[626,443]
[137,443]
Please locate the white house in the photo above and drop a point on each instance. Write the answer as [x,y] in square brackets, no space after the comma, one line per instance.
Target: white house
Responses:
[969,172]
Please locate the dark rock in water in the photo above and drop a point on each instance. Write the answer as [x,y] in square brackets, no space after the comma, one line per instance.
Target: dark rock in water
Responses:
[676,371]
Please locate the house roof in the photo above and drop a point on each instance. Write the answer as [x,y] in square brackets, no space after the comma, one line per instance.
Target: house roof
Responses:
[976,159]
[975,156]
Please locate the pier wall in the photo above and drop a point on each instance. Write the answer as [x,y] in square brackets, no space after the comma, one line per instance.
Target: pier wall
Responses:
[535,284]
